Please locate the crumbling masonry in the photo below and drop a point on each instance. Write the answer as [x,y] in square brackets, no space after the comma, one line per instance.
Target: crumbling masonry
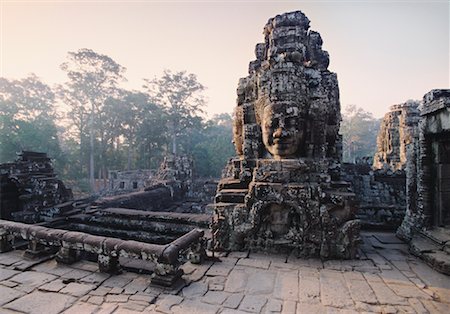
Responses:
[283,190]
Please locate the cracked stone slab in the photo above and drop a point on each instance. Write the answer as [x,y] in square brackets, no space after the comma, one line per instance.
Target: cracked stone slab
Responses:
[8,294]
[195,307]
[253,303]
[42,302]
[286,285]
[7,273]
[32,278]
[333,290]
[77,289]
[84,308]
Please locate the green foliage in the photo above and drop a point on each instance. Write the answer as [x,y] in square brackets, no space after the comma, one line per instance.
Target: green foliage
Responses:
[27,119]
[109,127]
[213,146]
[359,129]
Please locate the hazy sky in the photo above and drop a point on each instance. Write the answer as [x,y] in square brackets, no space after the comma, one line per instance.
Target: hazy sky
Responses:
[384,52]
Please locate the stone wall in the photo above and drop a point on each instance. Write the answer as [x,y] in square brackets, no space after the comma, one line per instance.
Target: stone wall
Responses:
[381,195]
[427,155]
[126,181]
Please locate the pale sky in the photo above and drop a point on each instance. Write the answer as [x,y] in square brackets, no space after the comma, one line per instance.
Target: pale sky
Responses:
[384,52]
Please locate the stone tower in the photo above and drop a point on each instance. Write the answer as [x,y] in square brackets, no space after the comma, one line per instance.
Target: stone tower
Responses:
[396,131]
[283,190]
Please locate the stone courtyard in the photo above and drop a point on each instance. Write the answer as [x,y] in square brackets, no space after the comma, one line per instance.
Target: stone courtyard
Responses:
[386,279]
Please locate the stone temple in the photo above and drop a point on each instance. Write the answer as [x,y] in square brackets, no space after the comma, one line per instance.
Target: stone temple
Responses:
[283,189]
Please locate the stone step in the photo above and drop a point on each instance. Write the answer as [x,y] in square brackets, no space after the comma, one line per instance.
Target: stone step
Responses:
[231,196]
[432,250]
[231,183]
[438,235]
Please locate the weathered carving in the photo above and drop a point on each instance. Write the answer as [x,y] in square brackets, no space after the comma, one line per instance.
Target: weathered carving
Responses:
[427,217]
[281,191]
[396,132]
[28,186]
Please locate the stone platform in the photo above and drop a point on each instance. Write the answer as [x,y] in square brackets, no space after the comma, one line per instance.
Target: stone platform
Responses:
[387,279]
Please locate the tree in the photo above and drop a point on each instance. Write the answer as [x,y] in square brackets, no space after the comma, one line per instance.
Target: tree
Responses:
[27,119]
[213,146]
[359,129]
[137,120]
[93,78]
[181,95]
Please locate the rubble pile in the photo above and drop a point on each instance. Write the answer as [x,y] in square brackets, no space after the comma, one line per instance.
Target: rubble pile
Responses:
[283,190]
[28,186]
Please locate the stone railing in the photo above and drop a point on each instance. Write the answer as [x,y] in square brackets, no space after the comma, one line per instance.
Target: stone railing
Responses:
[165,257]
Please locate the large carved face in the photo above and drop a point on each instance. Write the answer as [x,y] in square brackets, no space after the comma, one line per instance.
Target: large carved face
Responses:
[282,130]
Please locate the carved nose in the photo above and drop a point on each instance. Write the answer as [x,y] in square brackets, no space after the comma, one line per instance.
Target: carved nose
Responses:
[278,132]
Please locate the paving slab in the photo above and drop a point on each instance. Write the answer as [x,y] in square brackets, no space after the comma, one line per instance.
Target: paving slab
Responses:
[289,307]
[7,273]
[258,284]
[32,278]
[251,262]
[316,308]
[233,300]
[166,302]
[81,307]
[219,269]
[195,289]
[133,306]
[333,289]
[360,289]
[53,286]
[274,306]
[77,289]
[26,264]
[119,281]
[215,297]
[236,281]
[76,274]
[95,278]
[286,285]
[195,307]
[52,267]
[309,289]
[41,302]
[8,294]
[253,303]
[96,299]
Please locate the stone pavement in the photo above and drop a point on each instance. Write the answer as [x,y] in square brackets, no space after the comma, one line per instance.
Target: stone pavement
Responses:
[385,280]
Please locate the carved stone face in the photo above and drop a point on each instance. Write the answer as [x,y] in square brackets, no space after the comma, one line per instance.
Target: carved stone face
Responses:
[282,131]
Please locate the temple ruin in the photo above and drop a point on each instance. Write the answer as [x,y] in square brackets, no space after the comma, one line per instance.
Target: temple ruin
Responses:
[380,185]
[160,225]
[283,191]
[427,220]
[29,185]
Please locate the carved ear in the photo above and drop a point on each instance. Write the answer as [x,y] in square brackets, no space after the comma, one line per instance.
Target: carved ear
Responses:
[237,130]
